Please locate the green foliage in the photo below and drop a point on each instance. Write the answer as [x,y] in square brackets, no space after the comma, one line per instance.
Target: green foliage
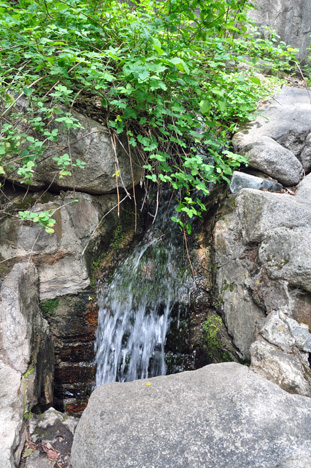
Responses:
[211,328]
[49,306]
[27,415]
[211,339]
[44,219]
[156,70]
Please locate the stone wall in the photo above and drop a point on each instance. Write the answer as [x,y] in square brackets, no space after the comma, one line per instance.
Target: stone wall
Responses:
[290,18]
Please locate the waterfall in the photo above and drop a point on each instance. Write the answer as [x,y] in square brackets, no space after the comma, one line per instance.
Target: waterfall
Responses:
[135,307]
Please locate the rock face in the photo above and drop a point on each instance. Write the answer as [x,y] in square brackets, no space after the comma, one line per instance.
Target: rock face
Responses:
[55,270]
[26,359]
[290,19]
[262,249]
[277,142]
[221,415]
[61,266]
[262,246]
[92,144]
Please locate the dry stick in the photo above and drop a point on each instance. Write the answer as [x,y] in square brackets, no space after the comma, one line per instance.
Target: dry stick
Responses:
[33,245]
[106,214]
[151,253]
[304,80]
[133,183]
[120,175]
[116,172]
[21,95]
[188,256]
[71,166]
[157,207]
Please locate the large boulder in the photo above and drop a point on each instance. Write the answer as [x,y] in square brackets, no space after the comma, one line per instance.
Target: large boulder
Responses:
[221,415]
[91,143]
[26,359]
[277,142]
[291,19]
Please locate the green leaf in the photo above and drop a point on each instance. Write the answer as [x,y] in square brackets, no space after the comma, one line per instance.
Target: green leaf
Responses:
[222,104]
[205,106]
[180,64]
[255,80]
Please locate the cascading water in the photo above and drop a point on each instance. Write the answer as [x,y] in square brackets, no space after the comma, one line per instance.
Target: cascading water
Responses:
[135,307]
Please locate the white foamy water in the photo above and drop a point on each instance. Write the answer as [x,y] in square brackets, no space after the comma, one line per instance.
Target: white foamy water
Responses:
[135,308]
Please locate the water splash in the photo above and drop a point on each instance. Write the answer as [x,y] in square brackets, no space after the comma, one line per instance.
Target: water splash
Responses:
[135,308]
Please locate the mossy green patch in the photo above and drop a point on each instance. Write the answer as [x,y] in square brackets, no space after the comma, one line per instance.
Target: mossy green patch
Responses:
[48,307]
[212,339]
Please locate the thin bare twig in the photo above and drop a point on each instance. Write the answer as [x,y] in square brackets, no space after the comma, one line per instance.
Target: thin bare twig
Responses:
[133,183]
[106,214]
[188,255]
[21,95]
[117,170]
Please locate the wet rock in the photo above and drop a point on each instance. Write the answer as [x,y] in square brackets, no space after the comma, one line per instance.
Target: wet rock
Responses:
[73,323]
[221,415]
[241,180]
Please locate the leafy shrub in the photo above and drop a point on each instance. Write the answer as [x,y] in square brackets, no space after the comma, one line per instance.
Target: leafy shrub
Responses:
[156,70]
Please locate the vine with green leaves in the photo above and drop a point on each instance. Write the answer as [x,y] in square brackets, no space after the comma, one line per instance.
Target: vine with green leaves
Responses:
[164,73]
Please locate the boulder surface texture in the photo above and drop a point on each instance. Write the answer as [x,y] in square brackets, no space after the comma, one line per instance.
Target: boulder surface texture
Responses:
[26,359]
[222,415]
[290,18]
[277,142]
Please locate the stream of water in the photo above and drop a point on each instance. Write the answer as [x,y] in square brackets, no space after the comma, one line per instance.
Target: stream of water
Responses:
[135,307]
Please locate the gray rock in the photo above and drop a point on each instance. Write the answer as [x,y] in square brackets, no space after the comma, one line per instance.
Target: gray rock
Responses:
[221,415]
[26,359]
[290,19]
[305,155]
[55,430]
[289,371]
[243,318]
[39,426]
[241,180]
[39,460]
[300,332]
[277,332]
[270,157]
[262,251]
[287,255]
[91,144]
[12,436]
[284,121]
[303,192]
[62,267]
[19,314]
